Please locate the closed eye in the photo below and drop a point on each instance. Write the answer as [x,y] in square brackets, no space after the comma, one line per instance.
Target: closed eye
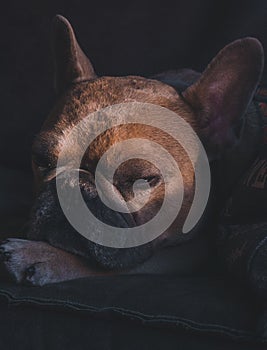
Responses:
[152,180]
[42,168]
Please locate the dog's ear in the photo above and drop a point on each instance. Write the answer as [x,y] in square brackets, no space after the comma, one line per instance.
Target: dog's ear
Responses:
[222,94]
[71,64]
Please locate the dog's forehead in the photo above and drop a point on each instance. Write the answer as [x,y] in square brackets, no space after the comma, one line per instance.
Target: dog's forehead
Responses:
[131,87]
[87,97]
[106,91]
[91,96]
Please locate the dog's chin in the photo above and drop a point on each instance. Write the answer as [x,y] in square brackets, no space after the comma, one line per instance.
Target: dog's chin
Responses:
[118,258]
[57,231]
[48,223]
[97,255]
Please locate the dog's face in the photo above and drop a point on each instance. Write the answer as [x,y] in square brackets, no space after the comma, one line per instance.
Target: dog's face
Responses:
[213,106]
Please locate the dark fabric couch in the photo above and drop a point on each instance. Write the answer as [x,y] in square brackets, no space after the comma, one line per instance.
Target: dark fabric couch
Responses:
[131,312]
[207,310]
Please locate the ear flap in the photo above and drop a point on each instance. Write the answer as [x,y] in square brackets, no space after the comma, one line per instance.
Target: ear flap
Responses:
[71,64]
[222,94]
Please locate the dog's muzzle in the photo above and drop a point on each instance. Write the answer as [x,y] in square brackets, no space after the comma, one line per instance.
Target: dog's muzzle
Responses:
[49,223]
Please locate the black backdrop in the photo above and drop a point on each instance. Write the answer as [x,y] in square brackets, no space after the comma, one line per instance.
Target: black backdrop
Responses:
[121,38]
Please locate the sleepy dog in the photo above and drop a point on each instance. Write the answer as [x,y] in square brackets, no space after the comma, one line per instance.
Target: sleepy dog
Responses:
[214,103]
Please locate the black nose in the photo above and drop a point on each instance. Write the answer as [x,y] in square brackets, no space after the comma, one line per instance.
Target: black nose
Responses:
[92,199]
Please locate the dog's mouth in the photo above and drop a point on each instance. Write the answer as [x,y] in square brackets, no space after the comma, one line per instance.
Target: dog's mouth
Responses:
[119,258]
[59,233]
[48,223]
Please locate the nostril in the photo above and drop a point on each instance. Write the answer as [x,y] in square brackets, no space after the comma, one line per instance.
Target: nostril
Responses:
[4,256]
[87,183]
[30,272]
[88,190]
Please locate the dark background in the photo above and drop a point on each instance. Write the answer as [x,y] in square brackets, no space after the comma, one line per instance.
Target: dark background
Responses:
[120,38]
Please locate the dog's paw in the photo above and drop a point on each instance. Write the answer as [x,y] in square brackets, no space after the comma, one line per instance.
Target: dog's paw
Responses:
[38,263]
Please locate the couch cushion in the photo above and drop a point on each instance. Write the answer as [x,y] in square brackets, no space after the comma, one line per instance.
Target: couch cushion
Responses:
[204,304]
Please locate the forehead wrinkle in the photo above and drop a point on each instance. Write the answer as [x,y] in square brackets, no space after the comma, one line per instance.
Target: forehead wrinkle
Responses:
[85,98]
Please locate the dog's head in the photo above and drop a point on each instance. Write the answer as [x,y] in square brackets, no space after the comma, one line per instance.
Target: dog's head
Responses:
[213,106]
